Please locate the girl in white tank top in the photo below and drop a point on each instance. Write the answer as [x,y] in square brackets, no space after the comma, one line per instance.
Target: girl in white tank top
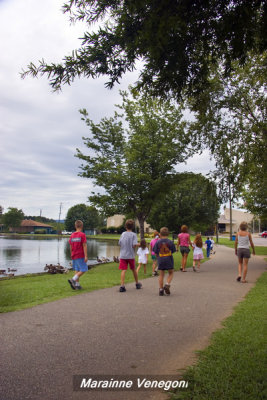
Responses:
[243,242]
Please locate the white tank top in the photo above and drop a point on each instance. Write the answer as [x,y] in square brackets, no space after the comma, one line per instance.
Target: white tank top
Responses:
[243,242]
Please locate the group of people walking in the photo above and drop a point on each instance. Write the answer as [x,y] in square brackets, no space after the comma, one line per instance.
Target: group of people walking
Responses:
[161,249]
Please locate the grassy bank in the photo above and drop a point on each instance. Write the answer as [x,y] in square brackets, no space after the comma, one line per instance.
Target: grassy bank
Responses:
[260,250]
[234,365]
[27,291]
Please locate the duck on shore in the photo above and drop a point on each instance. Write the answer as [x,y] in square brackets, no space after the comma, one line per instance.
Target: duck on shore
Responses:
[56,269]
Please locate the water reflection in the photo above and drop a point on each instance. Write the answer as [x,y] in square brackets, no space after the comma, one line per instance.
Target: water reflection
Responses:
[67,250]
[10,253]
[30,255]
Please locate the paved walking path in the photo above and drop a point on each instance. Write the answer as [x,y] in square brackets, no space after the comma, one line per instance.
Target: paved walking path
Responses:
[110,333]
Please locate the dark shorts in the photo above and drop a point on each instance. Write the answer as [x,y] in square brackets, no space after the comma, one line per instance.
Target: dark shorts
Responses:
[124,264]
[165,267]
[243,253]
[184,250]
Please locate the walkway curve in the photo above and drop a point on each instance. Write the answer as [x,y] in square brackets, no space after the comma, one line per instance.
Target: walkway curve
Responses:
[110,333]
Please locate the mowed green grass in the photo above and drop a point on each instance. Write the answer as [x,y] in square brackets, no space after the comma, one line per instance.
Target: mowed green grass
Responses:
[234,365]
[27,291]
[259,250]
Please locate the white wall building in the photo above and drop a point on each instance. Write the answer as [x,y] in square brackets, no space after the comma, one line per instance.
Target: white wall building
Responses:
[117,220]
[238,216]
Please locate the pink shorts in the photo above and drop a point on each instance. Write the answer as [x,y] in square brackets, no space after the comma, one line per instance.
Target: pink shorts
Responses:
[198,257]
[124,264]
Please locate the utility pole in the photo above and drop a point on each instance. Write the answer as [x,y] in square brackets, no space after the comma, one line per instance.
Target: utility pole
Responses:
[60,208]
[230,206]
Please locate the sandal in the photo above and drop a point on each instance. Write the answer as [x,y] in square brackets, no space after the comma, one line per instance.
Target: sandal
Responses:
[194,269]
[238,278]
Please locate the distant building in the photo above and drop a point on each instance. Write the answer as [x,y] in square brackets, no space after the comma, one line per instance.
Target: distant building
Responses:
[28,225]
[117,220]
[90,231]
[238,216]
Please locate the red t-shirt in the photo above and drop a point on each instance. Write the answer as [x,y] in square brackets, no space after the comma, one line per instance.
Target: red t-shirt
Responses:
[76,244]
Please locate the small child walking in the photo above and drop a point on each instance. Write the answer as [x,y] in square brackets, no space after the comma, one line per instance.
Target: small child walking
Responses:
[128,242]
[212,251]
[79,257]
[197,252]
[164,248]
[153,255]
[208,246]
[142,253]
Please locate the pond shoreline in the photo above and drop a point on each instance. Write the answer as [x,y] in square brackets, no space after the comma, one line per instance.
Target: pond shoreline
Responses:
[54,236]
[29,254]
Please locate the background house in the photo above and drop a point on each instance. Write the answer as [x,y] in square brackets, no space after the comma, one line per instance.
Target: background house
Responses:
[28,225]
[223,222]
[90,231]
[238,216]
[117,220]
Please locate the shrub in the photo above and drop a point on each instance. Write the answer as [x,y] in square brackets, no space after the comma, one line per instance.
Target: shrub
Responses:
[121,229]
[40,231]
[111,229]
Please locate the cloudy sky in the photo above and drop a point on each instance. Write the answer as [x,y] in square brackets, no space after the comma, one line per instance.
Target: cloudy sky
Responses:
[41,130]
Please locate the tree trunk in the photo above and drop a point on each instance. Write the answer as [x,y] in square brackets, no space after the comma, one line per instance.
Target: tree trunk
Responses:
[217,232]
[141,221]
[230,206]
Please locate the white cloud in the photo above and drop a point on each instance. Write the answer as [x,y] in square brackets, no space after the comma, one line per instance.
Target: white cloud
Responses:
[41,130]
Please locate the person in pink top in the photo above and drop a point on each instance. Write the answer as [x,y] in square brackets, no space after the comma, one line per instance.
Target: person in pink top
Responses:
[153,255]
[183,243]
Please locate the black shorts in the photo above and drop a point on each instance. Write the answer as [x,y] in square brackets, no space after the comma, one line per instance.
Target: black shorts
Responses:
[184,250]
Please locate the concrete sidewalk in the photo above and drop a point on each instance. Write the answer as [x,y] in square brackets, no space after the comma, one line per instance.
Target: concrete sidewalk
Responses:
[110,333]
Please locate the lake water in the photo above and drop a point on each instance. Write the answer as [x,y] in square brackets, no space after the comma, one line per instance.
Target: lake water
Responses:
[30,255]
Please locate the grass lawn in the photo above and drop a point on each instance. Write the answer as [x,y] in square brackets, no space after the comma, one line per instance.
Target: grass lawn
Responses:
[234,365]
[27,291]
[260,250]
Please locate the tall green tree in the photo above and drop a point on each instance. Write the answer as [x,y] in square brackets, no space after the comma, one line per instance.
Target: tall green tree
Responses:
[234,108]
[192,201]
[88,214]
[13,217]
[177,41]
[133,154]
[254,194]
[230,176]
[230,120]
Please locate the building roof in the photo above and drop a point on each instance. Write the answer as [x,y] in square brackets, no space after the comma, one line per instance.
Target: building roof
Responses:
[30,222]
[223,220]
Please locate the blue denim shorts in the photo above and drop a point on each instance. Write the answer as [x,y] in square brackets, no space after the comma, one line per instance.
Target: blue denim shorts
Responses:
[79,265]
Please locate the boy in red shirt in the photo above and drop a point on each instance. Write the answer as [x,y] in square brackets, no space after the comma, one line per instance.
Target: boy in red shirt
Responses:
[78,254]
